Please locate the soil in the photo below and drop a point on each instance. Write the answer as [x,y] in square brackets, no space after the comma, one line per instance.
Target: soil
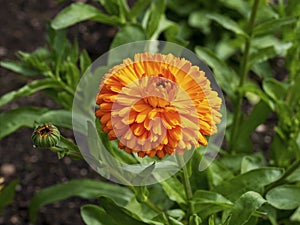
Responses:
[22,27]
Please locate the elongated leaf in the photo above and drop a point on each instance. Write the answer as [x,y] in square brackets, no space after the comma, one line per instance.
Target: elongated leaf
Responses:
[138,8]
[195,220]
[111,6]
[81,188]
[14,119]
[78,12]
[272,25]
[227,23]
[199,20]
[243,143]
[128,34]
[243,7]
[245,206]
[275,89]
[61,118]
[144,174]
[94,215]
[255,90]
[19,68]
[225,76]
[156,11]
[28,89]
[7,194]
[294,177]
[85,61]
[251,162]
[284,197]
[173,221]
[204,201]
[296,215]
[254,180]
[261,55]
[174,189]
[128,217]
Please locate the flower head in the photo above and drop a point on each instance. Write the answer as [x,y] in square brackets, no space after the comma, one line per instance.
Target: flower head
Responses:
[45,136]
[157,105]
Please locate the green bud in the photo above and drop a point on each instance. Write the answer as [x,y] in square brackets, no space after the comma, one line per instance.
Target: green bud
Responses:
[45,136]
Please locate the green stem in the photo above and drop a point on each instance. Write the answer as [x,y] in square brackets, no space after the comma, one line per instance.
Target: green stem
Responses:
[187,185]
[244,72]
[288,172]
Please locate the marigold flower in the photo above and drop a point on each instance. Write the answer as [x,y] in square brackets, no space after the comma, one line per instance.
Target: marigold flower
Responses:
[157,105]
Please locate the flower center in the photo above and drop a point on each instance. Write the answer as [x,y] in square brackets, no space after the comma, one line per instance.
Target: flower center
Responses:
[44,131]
[159,92]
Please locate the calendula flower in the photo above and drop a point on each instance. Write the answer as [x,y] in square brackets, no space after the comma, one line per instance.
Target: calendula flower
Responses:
[157,105]
[45,136]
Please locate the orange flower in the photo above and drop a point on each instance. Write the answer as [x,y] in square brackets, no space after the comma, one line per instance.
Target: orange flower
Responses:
[157,105]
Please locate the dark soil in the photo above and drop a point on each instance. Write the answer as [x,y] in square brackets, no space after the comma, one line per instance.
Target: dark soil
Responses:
[22,27]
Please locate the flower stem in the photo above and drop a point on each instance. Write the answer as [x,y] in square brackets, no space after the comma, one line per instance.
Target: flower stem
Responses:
[187,185]
[244,72]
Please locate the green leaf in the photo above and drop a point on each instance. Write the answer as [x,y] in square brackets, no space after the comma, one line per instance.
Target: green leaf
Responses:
[138,8]
[195,220]
[198,19]
[94,215]
[111,6]
[7,194]
[245,206]
[14,119]
[116,211]
[156,10]
[251,162]
[144,174]
[206,203]
[227,23]
[225,76]
[243,7]
[172,34]
[174,221]
[85,61]
[19,68]
[254,180]
[275,89]
[296,215]
[218,172]
[28,89]
[71,74]
[294,177]
[285,197]
[174,189]
[82,188]
[272,25]
[261,55]
[243,143]
[128,34]
[78,12]
[198,178]
[61,118]
[257,91]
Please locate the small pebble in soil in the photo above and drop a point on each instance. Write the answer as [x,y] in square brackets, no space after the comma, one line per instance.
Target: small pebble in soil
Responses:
[261,128]
[8,169]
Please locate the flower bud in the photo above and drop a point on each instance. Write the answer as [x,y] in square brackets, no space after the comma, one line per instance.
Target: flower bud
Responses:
[45,136]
